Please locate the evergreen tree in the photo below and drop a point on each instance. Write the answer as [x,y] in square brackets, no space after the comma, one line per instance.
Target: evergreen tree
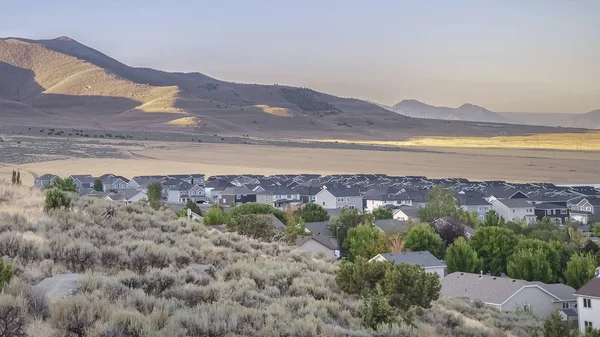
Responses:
[18,178]
[98,186]
[493,219]
[14,177]
[154,194]
[382,213]
[554,326]
[440,204]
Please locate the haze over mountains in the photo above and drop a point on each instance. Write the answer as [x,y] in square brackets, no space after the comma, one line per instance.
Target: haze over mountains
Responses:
[61,82]
[470,112]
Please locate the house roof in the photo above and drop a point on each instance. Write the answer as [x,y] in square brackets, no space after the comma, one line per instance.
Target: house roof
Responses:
[319,228]
[276,190]
[495,290]
[392,226]
[322,239]
[515,203]
[550,206]
[237,190]
[425,259]
[592,287]
[569,312]
[47,176]
[594,201]
[410,211]
[344,192]
[471,200]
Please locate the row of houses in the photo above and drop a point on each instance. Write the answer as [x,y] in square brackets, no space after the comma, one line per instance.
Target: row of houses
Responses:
[406,194]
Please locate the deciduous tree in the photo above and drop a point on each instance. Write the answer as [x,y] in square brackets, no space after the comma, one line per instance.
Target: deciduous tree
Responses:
[461,257]
[312,213]
[580,269]
[448,229]
[214,216]
[56,199]
[254,226]
[382,213]
[530,265]
[440,204]
[493,246]
[366,241]
[424,238]
[349,218]
[65,185]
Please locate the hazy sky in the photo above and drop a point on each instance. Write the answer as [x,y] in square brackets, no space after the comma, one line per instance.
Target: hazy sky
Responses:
[525,55]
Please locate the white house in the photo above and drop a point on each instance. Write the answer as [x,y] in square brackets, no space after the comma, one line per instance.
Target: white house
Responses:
[514,209]
[339,198]
[425,259]
[374,202]
[588,303]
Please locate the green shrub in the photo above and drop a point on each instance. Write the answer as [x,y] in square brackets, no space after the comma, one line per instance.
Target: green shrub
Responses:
[55,198]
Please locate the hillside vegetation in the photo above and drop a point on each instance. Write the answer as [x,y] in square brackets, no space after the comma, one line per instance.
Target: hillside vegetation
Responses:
[146,273]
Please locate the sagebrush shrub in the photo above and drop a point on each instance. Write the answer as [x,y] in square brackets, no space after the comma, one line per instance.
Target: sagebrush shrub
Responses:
[13,316]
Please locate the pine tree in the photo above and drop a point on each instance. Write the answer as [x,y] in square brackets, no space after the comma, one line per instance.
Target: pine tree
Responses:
[18,178]
[14,177]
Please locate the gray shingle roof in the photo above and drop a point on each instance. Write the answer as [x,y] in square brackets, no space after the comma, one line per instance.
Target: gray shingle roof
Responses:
[495,290]
[424,259]
[410,211]
[344,192]
[515,203]
[325,241]
[237,190]
[591,288]
[392,226]
[319,227]
[569,312]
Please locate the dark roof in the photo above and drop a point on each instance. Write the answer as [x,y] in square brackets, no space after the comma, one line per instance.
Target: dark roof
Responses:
[344,192]
[550,206]
[592,287]
[569,312]
[237,190]
[424,259]
[392,226]
[325,241]
[272,190]
[594,202]
[319,228]
[307,190]
[471,200]
[47,176]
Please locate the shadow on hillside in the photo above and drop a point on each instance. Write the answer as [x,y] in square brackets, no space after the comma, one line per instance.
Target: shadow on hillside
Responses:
[19,88]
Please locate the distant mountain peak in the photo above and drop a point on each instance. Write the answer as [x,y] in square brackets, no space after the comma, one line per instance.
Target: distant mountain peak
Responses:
[64,38]
[470,106]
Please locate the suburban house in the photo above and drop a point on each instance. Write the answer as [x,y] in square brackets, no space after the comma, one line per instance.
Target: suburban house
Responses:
[236,195]
[508,294]
[127,196]
[557,214]
[44,180]
[82,181]
[373,202]
[339,198]
[278,197]
[425,259]
[319,243]
[514,209]
[407,213]
[192,179]
[307,193]
[184,192]
[391,226]
[592,206]
[111,182]
[141,183]
[474,203]
[588,303]
[321,228]
[212,188]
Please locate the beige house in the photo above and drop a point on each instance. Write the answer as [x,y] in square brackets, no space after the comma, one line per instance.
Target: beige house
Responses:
[318,243]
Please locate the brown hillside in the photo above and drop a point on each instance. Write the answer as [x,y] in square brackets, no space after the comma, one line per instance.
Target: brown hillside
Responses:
[62,82]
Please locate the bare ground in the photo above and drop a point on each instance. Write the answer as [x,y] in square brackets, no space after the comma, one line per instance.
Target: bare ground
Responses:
[216,155]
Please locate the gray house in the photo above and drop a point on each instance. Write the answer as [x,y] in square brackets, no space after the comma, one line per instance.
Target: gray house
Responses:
[44,180]
[114,183]
[278,197]
[83,181]
[339,198]
[591,206]
[425,259]
[319,243]
[474,203]
[236,195]
[508,294]
[184,192]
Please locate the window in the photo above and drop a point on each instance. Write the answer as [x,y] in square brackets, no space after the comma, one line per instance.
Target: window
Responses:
[323,203]
[513,211]
[587,324]
[347,199]
[289,196]
[588,208]
[565,305]
[563,211]
[340,199]
[548,212]
[351,206]
[587,303]
[238,196]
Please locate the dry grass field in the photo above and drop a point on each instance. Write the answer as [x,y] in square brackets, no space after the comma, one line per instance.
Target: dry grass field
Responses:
[517,165]
[551,141]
